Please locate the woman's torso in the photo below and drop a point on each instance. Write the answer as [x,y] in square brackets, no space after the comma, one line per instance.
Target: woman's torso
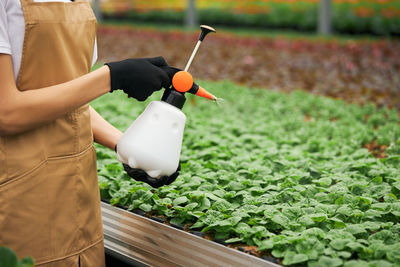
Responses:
[49,196]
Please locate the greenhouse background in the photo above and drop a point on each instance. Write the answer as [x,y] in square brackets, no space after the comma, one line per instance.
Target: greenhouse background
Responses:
[296,159]
[381,17]
[300,165]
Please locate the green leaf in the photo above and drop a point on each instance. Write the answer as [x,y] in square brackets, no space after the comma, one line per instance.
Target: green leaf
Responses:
[8,257]
[179,200]
[326,262]
[380,263]
[234,240]
[339,244]
[222,205]
[293,258]
[26,262]
[324,181]
[266,244]
[114,169]
[393,253]
[355,246]
[221,235]
[242,228]
[232,221]
[356,263]
[198,224]
[278,253]
[191,206]
[177,220]
[371,225]
[337,223]
[344,254]
[318,217]
[310,247]
[355,229]
[345,210]
[306,220]
[384,236]
[314,232]
[204,204]
[396,185]
[280,219]
[145,207]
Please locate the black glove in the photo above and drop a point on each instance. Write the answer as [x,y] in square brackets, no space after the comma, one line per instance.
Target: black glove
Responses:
[170,71]
[140,77]
[140,175]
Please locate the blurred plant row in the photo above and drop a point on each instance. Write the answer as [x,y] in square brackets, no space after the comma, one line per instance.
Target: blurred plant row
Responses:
[357,71]
[380,17]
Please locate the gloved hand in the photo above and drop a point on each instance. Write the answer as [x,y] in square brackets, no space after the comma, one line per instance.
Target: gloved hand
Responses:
[140,175]
[140,77]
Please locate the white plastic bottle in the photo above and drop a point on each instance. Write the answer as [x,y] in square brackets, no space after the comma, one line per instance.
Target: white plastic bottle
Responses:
[153,141]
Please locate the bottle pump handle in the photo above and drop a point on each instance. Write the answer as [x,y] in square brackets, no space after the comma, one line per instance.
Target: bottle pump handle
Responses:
[182,81]
[205,29]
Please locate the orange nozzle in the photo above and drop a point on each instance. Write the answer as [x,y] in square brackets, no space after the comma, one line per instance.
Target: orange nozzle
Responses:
[203,93]
[182,81]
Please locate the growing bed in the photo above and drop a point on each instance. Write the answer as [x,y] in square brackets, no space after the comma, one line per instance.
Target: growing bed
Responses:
[306,180]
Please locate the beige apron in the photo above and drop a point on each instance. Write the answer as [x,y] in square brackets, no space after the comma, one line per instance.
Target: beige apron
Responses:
[49,196]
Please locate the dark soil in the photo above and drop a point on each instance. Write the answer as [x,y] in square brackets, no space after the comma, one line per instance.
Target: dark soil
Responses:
[356,71]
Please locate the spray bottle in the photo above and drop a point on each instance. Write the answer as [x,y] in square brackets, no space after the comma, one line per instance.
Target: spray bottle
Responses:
[153,141]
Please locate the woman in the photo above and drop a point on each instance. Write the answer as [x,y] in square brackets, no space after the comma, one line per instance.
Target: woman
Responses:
[49,197]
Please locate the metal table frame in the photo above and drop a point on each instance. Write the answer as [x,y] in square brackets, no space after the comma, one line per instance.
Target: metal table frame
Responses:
[145,242]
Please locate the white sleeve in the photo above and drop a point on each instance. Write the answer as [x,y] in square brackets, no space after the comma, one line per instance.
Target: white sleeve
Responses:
[94,59]
[5,47]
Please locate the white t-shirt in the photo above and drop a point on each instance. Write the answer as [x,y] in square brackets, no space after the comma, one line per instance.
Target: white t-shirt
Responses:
[12,31]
